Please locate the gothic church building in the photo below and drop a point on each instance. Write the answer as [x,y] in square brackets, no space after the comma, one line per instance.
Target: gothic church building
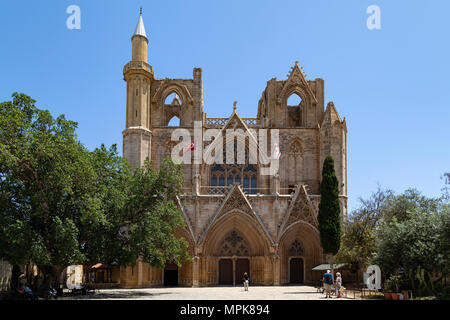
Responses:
[237,220]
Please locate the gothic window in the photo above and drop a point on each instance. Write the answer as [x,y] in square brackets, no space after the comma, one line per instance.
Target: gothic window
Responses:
[294,110]
[295,158]
[294,100]
[174,122]
[295,148]
[172,109]
[234,245]
[227,175]
[172,99]
[296,249]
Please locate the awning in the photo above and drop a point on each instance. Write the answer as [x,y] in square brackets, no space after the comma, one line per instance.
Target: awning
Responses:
[99,266]
[322,267]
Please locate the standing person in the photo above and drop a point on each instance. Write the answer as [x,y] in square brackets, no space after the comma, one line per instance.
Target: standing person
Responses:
[24,288]
[245,278]
[327,281]
[338,284]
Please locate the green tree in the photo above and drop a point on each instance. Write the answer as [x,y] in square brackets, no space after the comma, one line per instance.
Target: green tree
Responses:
[358,240]
[413,236]
[446,188]
[444,241]
[402,205]
[44,174]
[151,216]
[61,204]
[107,198]
[410,243]
[329,216]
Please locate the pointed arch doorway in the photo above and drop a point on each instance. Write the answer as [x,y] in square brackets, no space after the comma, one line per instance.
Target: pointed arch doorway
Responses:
[234,260]
[171,275]
[296,271]
[225,271]
[242,266]
[296,263]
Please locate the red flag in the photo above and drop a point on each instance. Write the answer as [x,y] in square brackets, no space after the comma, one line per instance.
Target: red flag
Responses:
[276,152]
[191,147]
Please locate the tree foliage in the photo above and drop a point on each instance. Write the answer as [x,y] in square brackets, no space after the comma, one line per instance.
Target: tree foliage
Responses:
[329,217]
[411,243]
[446,188]
[61,204]
[380,210]
[414,232]
[152,216]
[358,240]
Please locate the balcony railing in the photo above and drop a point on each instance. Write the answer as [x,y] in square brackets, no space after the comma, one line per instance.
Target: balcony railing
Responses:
[214,190]
[220,122]
[219,190]
[137,65]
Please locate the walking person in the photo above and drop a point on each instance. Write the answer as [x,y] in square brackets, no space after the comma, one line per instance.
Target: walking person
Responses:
[327,282]
[245,278]
[338,284]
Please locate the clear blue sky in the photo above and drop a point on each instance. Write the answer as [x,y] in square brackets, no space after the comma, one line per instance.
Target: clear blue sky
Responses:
[392,85]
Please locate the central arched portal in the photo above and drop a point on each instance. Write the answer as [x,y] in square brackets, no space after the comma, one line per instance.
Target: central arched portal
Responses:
[234,262]
[233,245]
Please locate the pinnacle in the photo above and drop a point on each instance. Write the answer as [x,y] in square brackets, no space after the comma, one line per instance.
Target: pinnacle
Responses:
[140,29]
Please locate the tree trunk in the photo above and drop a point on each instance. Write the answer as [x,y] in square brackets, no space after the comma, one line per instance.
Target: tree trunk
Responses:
[14,283]
[331,259]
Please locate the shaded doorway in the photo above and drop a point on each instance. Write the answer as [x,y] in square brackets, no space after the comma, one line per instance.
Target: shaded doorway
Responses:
[225,271]
[242,265]
[171,275]
[296,270]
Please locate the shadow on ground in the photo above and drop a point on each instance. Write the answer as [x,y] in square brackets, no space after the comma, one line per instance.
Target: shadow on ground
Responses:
[116,295]
[301,292]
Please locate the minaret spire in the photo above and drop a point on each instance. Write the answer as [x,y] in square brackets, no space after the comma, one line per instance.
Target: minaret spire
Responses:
[140,29]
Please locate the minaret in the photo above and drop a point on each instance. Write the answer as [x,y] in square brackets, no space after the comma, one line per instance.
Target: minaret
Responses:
[138,74]
[139,41]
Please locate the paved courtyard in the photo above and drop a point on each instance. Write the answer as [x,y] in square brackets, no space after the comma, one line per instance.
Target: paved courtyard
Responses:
[209,293]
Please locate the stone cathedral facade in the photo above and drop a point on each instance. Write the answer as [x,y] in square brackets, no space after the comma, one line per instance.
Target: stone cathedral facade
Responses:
[237,220]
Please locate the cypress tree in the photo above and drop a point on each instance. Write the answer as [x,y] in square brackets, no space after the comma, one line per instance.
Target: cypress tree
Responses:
[329,216]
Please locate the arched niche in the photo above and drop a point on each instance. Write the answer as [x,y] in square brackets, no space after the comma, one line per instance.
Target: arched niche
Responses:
[243,224]
[307,236]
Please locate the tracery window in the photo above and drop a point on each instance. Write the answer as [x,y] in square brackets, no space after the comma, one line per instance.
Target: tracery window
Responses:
[234,245]
[172,104]
[295,158]
[296,249]
[229,174]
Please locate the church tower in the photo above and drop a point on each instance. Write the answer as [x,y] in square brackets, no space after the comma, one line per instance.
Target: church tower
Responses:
[139,76]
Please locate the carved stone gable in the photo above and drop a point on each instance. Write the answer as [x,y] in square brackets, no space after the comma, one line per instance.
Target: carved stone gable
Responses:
[236,201]
[301,211]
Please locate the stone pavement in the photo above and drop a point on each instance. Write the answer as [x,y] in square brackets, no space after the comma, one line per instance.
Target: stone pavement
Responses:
[209,293]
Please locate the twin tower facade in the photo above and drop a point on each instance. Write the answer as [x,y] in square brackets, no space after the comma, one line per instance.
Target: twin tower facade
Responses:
[237,220]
